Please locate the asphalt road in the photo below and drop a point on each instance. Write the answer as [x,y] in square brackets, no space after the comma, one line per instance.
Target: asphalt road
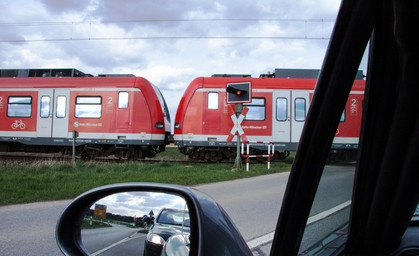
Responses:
[29,229]
[252,203]
[106,241]
[132,246]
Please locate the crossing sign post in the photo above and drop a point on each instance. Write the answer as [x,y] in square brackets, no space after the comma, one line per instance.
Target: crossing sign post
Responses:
[237,120]
[238,93]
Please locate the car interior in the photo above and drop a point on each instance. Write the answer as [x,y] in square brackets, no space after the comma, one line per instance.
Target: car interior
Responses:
[386,190]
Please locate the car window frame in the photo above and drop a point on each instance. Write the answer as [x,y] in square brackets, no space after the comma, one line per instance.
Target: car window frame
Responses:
[332,90]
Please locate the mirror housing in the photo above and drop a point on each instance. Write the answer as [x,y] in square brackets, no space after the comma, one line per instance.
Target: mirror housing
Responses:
[212,231]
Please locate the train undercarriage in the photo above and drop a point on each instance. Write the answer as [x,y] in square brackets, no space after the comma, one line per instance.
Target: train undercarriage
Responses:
[89,151]
[218,154]
[126,152]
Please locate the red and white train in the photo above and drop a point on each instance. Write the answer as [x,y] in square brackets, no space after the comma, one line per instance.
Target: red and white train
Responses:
[121,115]
[276,114]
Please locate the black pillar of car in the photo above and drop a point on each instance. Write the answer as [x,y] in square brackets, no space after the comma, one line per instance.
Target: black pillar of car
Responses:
[347,45]
[387,188]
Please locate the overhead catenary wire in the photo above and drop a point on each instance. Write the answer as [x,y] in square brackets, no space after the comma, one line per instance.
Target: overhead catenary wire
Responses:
[25,39]
[50,23]
[166,38]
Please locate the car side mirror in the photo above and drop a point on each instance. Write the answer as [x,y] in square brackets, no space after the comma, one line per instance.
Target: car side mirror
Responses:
[100,219]
[124,223]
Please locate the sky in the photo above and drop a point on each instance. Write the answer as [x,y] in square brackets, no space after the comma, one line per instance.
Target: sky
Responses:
[167,42]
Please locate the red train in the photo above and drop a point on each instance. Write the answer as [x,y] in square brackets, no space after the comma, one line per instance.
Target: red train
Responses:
[276,114]
[125,116]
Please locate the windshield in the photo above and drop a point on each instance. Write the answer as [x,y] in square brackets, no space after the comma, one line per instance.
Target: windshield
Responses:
[416,214]
[330,212]
[331,208]
[174,217]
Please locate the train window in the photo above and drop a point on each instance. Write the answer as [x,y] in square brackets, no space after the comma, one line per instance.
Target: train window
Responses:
[19,107]
[213,100]
[45,106]
[88,107]
[281,109]
[123,100]
[61,106]
[300,109]
[257,110]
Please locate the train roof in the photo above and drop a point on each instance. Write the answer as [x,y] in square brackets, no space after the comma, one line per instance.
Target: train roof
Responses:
[264,83]
[295,79]
[75,82]
[304,73]
[43,72]
[66,78]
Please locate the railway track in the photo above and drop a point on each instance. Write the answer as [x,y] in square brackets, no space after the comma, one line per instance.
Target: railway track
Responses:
[22,158]
[7,159]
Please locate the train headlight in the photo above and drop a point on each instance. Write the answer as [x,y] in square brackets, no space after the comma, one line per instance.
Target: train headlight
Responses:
[177,125]
[159,125]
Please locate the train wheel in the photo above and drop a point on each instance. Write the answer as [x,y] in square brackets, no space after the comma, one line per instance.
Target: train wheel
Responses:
[212,156]
[121,153]
[85,156]
[133,154]
[130,154]
[281,156]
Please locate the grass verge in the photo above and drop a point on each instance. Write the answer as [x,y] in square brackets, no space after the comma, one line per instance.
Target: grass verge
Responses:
[59,180]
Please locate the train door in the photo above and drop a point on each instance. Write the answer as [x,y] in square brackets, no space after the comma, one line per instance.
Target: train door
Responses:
[123,110]
[212,112]
[281,111]
[60,114]
[299,102]
[44,117]
[289,114]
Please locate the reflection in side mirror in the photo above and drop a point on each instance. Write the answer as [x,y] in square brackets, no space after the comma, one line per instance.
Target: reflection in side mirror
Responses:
[193,224]
[136,223]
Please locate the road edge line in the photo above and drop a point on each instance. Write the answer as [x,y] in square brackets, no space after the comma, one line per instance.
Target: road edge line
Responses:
[264,239]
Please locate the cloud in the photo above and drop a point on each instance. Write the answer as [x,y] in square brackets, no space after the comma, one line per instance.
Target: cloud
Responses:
[170,75]
[134,9]
[169,63]
[64,6]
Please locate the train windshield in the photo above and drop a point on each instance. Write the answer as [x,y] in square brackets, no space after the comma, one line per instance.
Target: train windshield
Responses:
[163,104]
